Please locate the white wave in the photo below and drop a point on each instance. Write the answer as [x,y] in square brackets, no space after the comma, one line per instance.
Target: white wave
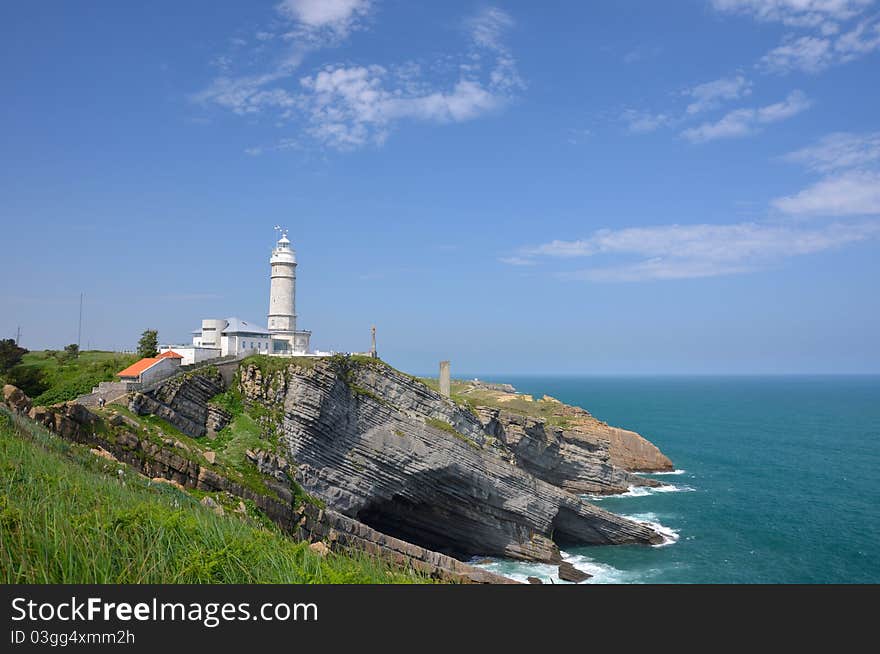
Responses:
[668,472]
[643,491]
[549,574]
[650,519]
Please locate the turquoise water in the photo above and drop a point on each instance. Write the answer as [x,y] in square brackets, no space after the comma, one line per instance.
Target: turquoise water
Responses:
[778,478]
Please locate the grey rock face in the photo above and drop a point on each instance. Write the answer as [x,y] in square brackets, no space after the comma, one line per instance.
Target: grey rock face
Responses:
[217,418]
[563,458]
[382,448]
[182,401]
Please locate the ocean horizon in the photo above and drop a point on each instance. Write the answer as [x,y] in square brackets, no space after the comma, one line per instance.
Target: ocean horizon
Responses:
[775,477]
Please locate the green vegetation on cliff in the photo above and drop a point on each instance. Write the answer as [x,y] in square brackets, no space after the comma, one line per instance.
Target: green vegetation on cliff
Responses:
[68,516]
[468,395]
[51,376]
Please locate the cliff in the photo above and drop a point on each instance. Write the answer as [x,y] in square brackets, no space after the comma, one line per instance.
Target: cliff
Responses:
[575,426]
[352,452]
[381,447]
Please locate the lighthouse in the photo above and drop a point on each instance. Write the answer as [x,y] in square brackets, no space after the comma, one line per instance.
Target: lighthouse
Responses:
[282,301]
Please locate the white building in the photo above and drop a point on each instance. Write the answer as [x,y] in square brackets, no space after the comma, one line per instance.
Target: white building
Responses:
[152,368]
[233,336]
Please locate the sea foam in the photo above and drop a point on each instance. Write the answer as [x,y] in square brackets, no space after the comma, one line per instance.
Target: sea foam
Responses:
[643,491]
[650,519]
[549,574]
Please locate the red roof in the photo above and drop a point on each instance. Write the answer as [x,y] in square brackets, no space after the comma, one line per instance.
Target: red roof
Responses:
[170,354]
[136,369]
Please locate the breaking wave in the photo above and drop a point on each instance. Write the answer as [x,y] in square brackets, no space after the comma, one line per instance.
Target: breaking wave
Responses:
[643,491]
[650,519]
[549,574]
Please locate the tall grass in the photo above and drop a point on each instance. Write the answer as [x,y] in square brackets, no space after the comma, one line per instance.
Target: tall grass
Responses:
[67,516]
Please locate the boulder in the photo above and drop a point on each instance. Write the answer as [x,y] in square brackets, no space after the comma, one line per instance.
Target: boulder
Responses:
[319,548]
[170,482]
[567,572]
[16,400]
[534,580]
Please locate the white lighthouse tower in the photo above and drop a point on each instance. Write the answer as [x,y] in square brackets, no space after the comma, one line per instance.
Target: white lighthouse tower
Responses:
[282,301]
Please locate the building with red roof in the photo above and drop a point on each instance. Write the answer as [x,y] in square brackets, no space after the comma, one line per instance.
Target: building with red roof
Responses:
[152,369]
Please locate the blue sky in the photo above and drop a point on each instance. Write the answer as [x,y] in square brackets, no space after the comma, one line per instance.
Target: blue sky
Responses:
[586,188]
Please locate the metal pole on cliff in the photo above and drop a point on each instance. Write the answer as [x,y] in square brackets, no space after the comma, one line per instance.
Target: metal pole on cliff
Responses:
[80,328]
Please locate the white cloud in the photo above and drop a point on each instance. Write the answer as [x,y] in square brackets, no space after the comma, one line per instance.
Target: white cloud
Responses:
[489,27]
[338,17]
[247,94]
[831,38]
[861,40]
[642,122]
[742,122]
[517,261]
[690,251]
[283,144]
[809,54]
[852,193]
[349,106]
[813,54]
[796,13]
[838,151]
[314,24]
[712,94]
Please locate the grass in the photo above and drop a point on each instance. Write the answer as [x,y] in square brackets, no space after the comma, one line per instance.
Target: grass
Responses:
[269,365]
[465,395]
[62,379]
[253,427]
[67,516]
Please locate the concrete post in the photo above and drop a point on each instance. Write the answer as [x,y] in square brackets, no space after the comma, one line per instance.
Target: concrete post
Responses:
[444,379]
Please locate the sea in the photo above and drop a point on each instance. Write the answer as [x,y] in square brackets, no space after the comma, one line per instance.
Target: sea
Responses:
[777,479]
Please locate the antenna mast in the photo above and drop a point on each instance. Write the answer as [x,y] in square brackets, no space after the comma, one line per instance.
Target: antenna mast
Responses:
[80,328]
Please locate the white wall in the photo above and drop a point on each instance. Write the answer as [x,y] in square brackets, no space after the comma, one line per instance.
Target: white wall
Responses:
[282,297]
[211,328]
[239,343]
[192,354]
[165,368]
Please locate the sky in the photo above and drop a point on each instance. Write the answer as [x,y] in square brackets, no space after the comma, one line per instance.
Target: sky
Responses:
[625,187]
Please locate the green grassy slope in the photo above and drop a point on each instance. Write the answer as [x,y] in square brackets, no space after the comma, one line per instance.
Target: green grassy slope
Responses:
[62,379]
[69,516]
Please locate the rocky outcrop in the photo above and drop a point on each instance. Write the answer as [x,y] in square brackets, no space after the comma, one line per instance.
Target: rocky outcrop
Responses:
[183,401]
[216,419]
[380,447]
[626,449]
[491,386]
[70,420]
[564,458]
[16,400]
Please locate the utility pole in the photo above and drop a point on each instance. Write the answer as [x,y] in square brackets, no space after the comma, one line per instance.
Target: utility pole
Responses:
[80,329]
